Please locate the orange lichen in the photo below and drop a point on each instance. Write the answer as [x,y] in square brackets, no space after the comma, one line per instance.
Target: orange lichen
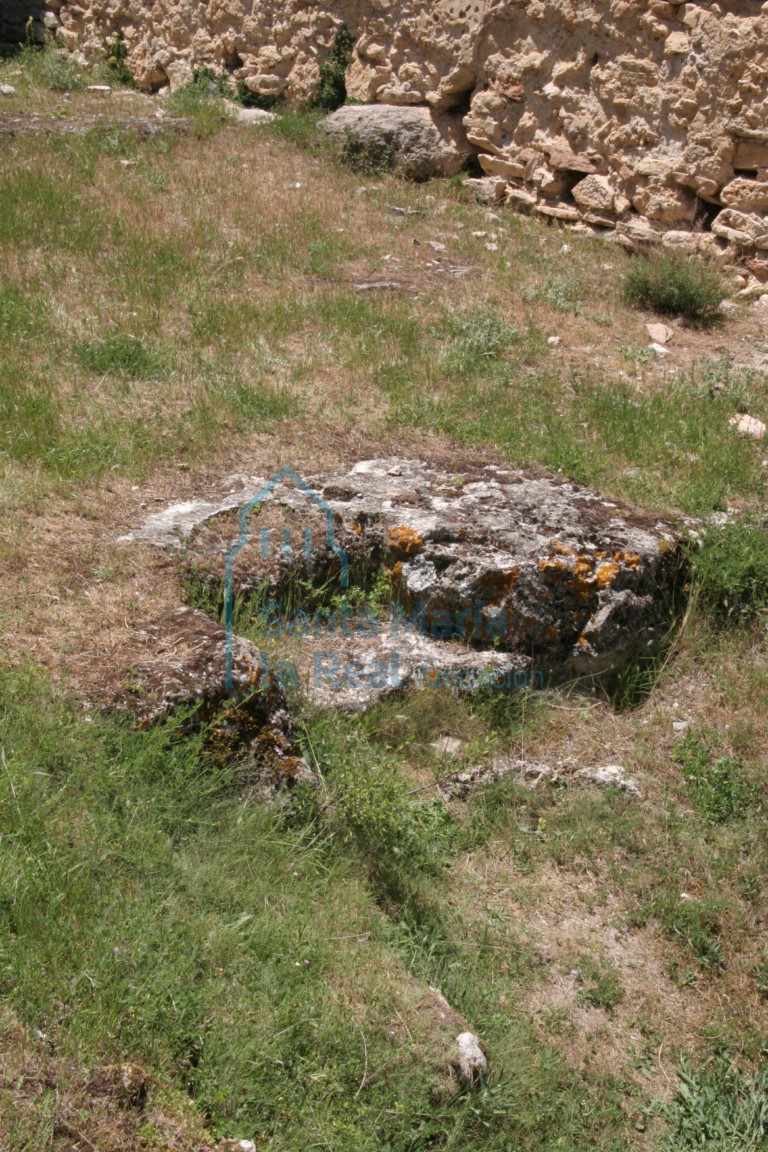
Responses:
[605,574]
[497,583]
[403,539]
[561,549]
[554,565]
[628,558]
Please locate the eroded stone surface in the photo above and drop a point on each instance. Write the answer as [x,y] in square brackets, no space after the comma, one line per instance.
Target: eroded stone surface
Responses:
[250,726]
[427,143]
[562,580]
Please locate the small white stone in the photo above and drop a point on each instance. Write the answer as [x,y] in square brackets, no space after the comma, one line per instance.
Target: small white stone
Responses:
[553,341]
[471,1061]
[659,333]
[748,425]
[659,349]
[7,90]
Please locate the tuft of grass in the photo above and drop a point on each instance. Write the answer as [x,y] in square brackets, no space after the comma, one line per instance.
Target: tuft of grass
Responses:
[121,355]
[602,986]
[367,157]
[49,67]
[695,923]
[201,100]
[673,286]
[731,568]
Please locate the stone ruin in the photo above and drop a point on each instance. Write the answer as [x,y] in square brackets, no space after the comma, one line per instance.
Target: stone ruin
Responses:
[643,118]
[495,580]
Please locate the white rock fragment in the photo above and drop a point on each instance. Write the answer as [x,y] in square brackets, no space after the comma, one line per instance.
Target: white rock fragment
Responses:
[250,116]
[553,341]
[447,746]
[470,1061]
[659,349]
[611,776]
[7,90]
[748,425]
[659,333]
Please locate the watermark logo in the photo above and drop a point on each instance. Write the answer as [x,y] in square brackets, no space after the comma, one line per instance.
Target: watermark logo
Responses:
[286,550]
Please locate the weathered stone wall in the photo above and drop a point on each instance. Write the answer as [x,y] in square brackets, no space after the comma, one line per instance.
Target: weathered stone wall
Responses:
[646,115]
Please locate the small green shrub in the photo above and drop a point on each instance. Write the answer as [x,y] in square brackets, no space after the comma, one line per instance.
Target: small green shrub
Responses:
[117,57]
[478,340]
[672,286]
[332,89]
[717,1109]
[211,83]
[731,568]
[718,788]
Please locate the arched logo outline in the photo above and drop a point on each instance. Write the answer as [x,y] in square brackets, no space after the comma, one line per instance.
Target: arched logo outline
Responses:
[259,498]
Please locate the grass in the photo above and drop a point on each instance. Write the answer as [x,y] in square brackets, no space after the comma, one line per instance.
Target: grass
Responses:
[175,315]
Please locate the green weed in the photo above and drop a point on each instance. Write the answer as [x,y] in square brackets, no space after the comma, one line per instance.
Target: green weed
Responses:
[719,787]
[731,568]
[717,1108]
[122,355]
[332,89]
[602,986]
[673,286]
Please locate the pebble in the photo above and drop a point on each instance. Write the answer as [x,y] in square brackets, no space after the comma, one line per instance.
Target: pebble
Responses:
[7,90]
[553,341]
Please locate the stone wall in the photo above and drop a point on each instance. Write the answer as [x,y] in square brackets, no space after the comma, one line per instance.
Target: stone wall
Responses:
[649,116]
